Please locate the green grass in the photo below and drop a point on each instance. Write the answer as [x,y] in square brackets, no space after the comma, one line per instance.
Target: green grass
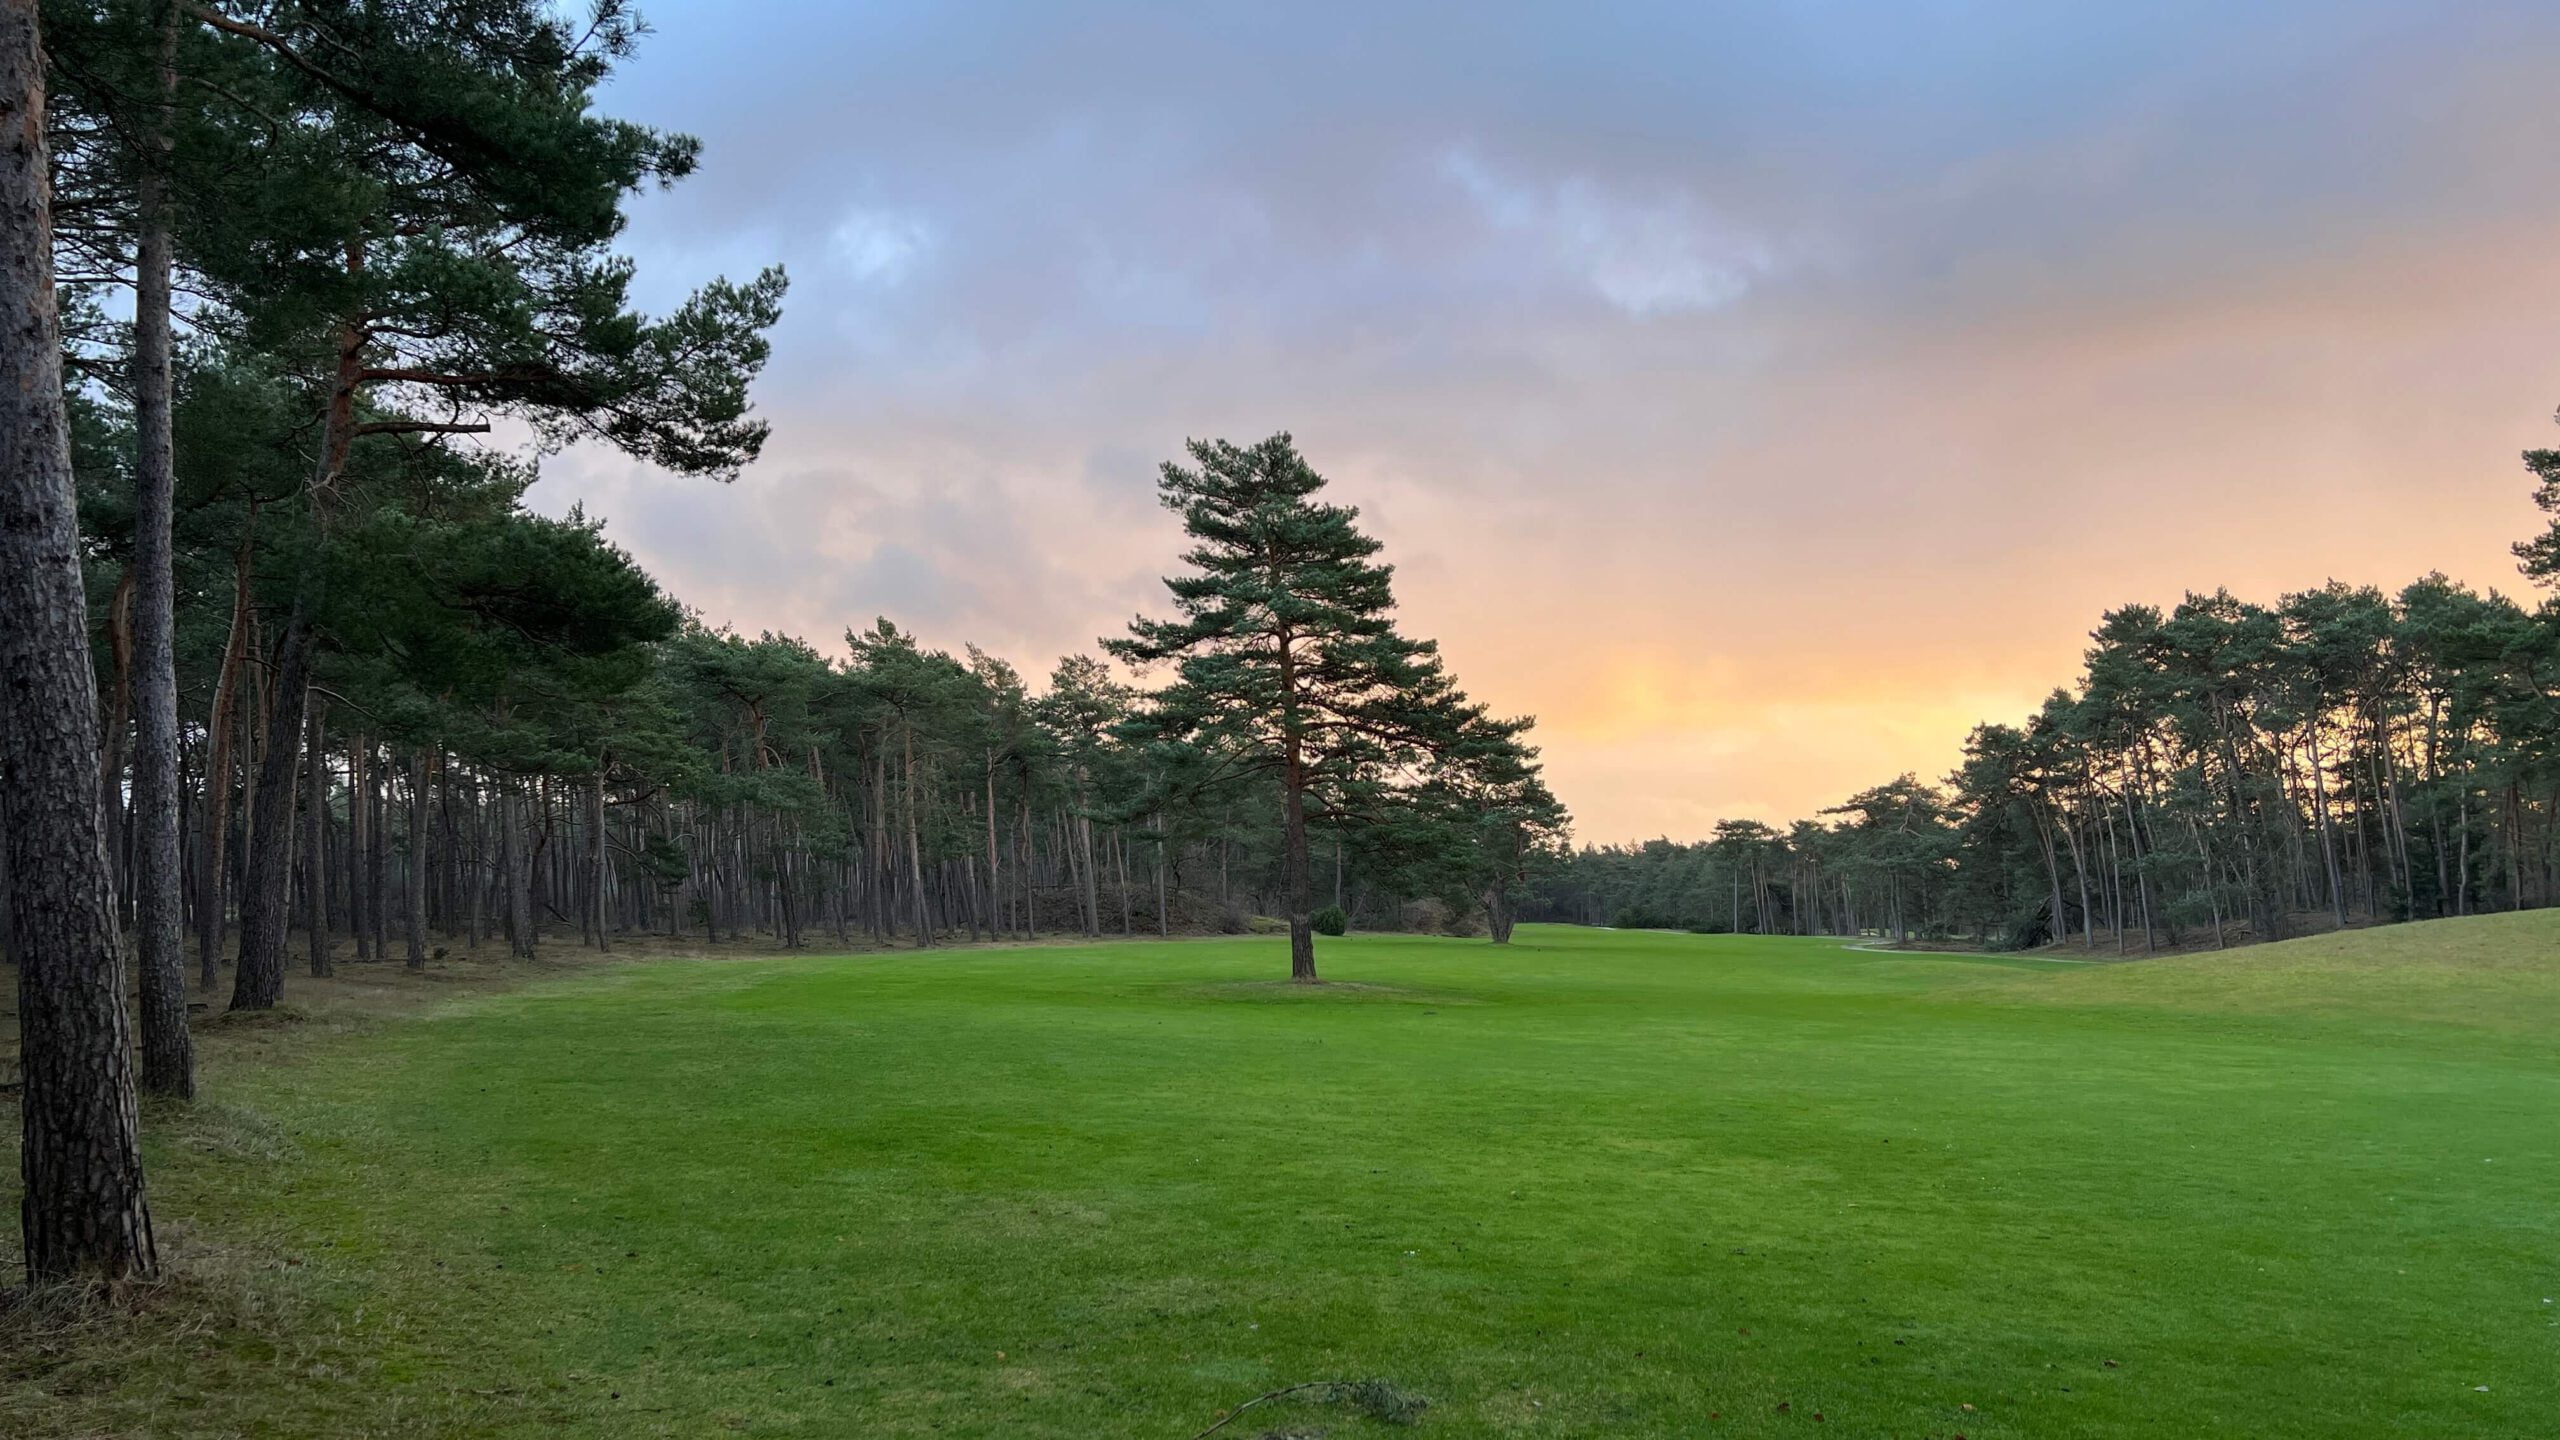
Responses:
[1595,1184]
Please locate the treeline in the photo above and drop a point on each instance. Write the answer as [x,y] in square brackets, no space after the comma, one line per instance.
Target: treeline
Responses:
[296,680]
[2224,771]
[407,711]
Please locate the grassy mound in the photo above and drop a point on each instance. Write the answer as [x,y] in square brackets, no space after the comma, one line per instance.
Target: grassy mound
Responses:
[2489,972]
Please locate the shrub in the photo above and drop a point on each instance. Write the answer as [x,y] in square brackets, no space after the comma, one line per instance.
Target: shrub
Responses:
[1330,921]
[1422,917]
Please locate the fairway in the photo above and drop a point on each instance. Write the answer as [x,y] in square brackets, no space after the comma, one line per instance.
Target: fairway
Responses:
[1597,1183]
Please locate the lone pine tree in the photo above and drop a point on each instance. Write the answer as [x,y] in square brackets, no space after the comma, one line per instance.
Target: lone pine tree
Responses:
[1287,666]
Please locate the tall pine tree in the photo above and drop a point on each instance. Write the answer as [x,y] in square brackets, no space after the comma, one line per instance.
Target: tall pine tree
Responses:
[83,1212]
[1287,665]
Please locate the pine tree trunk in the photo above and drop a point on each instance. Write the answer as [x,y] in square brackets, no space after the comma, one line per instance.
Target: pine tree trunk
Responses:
[315,822]
[377,855]
[1120,863]
[83,1211]
[223,722]
[1301,880]
[266,902]
[417,887]
[1164,911]
[995,873]
[1083,842]
[476,876]
[596,855]
[915,842]
[159,877]
[111,743]
[521,927]
[359,842]
[1029,916]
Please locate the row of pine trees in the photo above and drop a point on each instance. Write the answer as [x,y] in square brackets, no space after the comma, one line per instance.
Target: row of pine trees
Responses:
[2223,771]
[297,680]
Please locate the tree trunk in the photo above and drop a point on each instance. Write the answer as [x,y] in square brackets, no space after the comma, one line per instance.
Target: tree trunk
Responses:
[1164,911]
[159,878]
[1301,878]
[521,929]
[83,1211]
[377,855]
[1082,840]
[596,854]
[995,873]
[315,822]
[223,723]
[359,842]
[111,744]
[915,842]
[266,902]
[1120,864]
[417,888]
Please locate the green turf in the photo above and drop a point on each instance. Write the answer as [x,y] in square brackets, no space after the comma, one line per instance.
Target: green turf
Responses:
[1595,1184]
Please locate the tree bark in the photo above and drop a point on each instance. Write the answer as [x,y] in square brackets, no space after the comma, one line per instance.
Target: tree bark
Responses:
[159,879]
[315,823]
[111,743]
[520,846]
[596,854]
[417,887]
[359,842]
[1164,912]
[377,857]
[83,1212]
[224,723]
[1301,881]
[266,889]
[995,874]
[915,842]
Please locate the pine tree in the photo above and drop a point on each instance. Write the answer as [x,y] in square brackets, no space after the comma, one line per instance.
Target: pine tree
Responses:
[1499,823]
[83,1214]
[1287,665]
[438,257]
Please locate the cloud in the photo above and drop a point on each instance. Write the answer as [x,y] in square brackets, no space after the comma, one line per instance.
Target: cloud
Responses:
[1645,255]
[878,247]
[1760,394]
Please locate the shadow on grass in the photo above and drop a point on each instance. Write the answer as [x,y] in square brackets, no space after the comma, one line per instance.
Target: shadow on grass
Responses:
[1327,992]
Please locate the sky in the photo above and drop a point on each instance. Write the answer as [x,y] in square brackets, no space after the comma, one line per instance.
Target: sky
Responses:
[1759,395]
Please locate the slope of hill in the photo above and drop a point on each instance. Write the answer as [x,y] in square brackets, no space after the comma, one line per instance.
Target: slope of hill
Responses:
[2492,972]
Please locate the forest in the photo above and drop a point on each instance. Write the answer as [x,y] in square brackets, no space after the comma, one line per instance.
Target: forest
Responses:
[330,281]
[2221,772]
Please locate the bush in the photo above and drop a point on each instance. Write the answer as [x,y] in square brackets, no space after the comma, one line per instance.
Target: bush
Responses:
[1330,921]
